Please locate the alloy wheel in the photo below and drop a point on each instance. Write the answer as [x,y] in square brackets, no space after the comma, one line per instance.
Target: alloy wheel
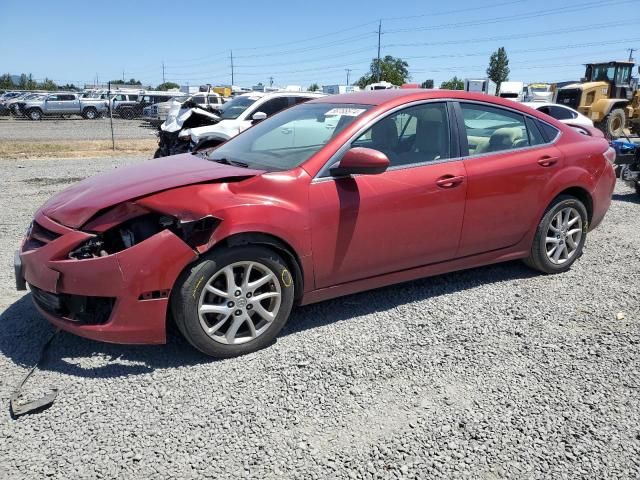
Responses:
[239,302]
[563,235]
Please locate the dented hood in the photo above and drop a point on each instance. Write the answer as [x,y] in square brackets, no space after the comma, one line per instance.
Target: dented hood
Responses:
[75,205]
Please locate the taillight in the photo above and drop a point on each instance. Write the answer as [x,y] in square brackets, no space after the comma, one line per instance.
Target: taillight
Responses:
[610,155]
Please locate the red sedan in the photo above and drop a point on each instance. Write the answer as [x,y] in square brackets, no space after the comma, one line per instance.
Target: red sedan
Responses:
[331,197]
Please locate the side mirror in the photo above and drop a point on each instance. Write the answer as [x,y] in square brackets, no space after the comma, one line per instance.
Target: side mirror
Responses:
[360,160]
[259,116]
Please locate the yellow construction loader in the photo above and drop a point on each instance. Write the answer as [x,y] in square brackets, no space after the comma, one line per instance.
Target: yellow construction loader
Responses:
[608,95]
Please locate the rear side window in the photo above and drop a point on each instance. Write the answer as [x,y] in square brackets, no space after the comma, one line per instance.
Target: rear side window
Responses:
[490,129]
[549,132]
[535,135]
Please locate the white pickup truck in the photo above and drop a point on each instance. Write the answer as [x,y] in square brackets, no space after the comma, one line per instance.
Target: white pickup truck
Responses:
[64,104]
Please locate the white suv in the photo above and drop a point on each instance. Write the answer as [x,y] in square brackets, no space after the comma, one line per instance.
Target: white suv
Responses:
[239,114]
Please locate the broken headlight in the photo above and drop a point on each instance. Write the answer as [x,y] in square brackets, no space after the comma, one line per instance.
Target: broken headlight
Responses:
[136,230]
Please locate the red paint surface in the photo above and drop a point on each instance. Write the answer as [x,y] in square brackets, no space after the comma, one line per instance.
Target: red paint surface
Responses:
[349,234]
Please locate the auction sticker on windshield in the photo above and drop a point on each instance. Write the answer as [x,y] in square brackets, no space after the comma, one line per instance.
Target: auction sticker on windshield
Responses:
[345,112]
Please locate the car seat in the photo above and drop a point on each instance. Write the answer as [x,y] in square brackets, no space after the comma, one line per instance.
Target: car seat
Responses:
[503,139]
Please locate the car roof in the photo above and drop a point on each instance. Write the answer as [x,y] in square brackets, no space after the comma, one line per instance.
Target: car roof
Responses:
[381,97]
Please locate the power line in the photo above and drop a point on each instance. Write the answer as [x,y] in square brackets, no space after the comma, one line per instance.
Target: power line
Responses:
[516,36]
[510,18]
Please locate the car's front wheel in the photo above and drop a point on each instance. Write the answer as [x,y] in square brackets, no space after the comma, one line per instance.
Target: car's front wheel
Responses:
[560,236]
[233,301]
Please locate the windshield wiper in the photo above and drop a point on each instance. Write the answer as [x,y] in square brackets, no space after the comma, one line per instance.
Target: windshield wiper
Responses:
[226,161]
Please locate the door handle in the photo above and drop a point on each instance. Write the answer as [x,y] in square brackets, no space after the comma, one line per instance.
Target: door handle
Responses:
[449,181]
[547,161]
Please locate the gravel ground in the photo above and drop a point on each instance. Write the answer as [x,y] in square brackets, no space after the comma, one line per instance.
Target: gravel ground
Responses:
[74,128]
[491,373]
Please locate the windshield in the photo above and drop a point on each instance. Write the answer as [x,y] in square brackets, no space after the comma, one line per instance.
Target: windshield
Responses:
[289,138]
[233,109]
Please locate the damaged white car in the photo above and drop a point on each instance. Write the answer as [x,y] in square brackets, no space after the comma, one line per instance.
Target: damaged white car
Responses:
[193,129]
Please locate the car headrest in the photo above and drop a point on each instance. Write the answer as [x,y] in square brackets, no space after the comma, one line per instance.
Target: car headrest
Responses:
[384,134]
[429,136]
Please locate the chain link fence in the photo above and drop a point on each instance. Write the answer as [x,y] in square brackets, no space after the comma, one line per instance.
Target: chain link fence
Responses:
[94,122]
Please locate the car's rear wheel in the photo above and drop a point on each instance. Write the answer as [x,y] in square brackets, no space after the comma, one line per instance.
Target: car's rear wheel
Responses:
[234,301]
[35,114]
[560,236]
[126,113]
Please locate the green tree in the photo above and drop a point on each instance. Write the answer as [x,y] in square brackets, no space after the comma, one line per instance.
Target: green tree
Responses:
[390,69]
[132,81]
[498,70]
[69,86]
[6,82]
[454,84]
[167,86]
[47,85]
[427,83]
[314,87]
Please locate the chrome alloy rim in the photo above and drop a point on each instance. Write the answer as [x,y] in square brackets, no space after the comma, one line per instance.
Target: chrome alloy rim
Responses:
[563,236]
[239,302]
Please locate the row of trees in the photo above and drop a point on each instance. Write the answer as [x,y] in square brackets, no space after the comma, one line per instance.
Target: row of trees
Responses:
[396,71]
[26,82]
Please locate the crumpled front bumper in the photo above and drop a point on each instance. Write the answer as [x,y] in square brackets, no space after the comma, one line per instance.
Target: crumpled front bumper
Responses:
[139,279]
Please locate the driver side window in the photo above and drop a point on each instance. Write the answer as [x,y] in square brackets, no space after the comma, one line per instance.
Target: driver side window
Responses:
[273,106]
[411,136]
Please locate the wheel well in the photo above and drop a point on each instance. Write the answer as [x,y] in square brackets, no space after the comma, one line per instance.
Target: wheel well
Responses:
[618,105]
[274,243]
[582,195]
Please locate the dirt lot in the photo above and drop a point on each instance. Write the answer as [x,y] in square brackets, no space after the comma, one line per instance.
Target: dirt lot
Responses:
[491,373]
[74,137]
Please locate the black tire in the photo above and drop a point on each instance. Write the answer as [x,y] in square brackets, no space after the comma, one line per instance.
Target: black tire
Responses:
[34,114]
[189,288]
[538,259]
[127,113]
[637,188]
[90,113]
[614,123]
[158,153]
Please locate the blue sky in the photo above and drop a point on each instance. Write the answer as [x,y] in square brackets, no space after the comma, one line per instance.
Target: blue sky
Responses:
[306,42]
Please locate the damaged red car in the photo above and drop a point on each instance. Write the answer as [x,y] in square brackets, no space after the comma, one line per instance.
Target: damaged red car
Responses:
[334,196]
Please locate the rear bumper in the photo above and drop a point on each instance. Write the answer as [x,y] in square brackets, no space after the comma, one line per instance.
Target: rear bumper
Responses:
[137,281]
[602,195]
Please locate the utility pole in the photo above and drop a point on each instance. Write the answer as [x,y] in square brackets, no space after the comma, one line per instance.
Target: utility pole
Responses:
[631,50]
[232,82]
[348,70]
[379,36]
[163,72]
[271,81]
[123,75]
